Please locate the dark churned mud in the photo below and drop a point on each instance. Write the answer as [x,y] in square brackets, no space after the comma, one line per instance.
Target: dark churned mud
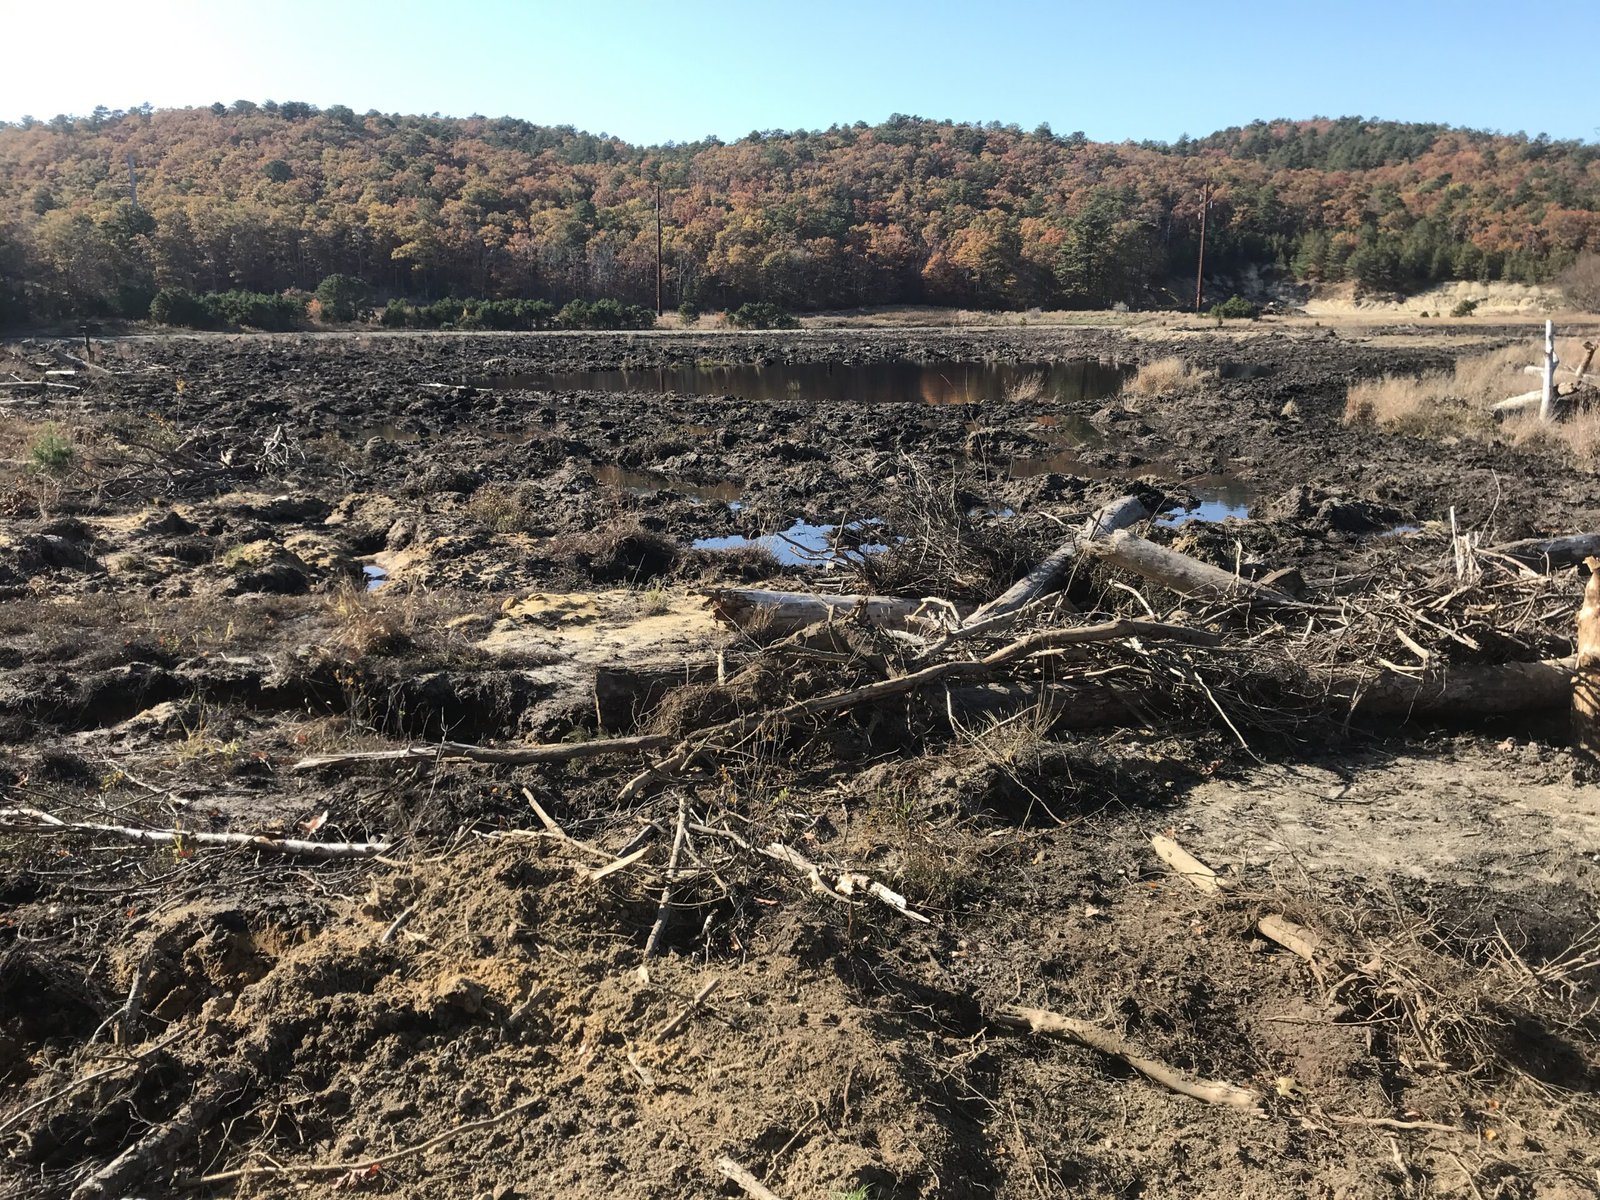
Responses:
[428,974]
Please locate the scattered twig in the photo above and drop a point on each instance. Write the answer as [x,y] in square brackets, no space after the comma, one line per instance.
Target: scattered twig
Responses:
[16,1118]
[505,755]
[700,997]
[1040,1020]
[664,909]
[753,1187]
[32,820]
[365,1164]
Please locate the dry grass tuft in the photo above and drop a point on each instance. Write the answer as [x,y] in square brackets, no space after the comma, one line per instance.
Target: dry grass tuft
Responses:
[1027,389]
[1167,375]
[1458,402]
[501,509]
[1577,438]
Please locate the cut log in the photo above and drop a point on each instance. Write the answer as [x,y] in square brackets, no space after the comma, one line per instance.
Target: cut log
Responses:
[1586,676]
[1106,520]
[1552,554]
[1188,577]
[785,612]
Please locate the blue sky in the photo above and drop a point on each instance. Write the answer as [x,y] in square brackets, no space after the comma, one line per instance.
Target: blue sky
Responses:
[680,69]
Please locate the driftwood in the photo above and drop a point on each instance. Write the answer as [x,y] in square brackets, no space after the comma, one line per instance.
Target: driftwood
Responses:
[32,820]
[1184,575]
[1119,514]
[1291,936]
[1438,692]
[1551,554]
[1042,1020]
[784,612]
[1586,675]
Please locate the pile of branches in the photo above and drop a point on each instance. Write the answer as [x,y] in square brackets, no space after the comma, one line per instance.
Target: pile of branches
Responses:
[1471,634]
[1468,633]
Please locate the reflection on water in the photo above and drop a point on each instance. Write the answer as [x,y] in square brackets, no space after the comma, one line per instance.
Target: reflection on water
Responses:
[1220,498]
[375,575]
[800,545]
[861,383]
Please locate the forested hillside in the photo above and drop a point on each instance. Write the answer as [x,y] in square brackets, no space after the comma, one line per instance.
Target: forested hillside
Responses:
[278,196]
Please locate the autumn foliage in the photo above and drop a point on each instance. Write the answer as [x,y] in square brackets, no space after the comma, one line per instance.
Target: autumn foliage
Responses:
[264,199]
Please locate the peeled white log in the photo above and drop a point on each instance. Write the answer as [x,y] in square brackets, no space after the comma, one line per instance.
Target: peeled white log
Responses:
[1526,402]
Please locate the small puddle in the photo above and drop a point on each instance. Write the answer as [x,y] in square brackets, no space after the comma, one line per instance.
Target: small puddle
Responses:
[375,576]
[1219,498]
[800,545]
[861,383]
[650,483]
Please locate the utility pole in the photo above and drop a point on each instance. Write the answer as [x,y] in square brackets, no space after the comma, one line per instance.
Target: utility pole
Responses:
[133,182]
[1200,269]
[658,249]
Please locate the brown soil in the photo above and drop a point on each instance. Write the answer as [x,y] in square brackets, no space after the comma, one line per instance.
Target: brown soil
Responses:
[184,614]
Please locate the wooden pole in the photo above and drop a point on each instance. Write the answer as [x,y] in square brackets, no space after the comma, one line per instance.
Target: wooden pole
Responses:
[658,249]
[1200,267]
[1547,394]
[1586,676]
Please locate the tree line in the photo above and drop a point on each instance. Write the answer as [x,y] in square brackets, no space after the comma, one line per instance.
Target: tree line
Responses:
[100,214]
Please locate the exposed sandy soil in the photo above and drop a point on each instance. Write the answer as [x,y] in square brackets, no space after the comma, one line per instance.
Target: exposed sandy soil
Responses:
[185,613]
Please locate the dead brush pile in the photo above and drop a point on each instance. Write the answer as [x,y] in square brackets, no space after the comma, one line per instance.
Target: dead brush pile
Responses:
[565,943]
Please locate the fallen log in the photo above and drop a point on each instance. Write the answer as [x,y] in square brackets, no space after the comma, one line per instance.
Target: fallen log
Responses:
[1522,402]
[1586,675]
[1186,576]
[1551,554]
[1042,1020]
[1106,520]
[785,612]
[1452,693]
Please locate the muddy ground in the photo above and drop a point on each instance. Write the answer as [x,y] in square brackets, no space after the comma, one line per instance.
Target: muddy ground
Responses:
[256,549]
